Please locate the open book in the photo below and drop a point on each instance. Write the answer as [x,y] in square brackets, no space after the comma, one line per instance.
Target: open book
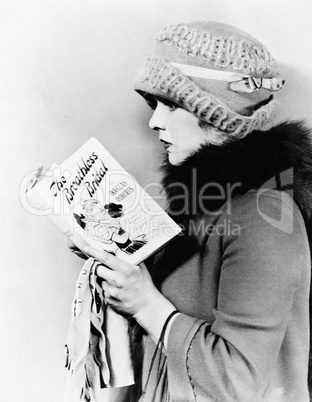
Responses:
[94,201]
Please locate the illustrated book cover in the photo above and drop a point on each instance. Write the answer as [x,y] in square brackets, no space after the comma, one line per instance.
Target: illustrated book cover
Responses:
[96,202]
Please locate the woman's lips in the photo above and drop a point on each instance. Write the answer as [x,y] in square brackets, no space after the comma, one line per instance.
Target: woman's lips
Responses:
[166,144]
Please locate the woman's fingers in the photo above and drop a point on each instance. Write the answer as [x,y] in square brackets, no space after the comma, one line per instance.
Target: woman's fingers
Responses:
[106,258]
[109,292]
[74,249]
[127,287]
[106,274]
[70,244]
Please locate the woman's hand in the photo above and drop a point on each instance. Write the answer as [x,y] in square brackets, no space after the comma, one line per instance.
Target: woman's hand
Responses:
[128,288]
[74,249]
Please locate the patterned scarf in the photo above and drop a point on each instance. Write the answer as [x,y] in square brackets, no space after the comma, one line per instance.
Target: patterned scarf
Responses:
[98,354]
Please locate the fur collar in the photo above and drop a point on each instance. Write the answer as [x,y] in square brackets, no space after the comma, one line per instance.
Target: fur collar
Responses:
[251,162]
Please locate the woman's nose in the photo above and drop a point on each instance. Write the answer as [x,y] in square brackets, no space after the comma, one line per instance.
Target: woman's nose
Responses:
[158,120]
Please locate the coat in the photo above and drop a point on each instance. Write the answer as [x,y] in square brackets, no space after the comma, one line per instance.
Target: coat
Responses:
[239,275]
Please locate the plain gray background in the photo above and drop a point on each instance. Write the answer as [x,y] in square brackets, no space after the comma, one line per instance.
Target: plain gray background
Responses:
[66,73]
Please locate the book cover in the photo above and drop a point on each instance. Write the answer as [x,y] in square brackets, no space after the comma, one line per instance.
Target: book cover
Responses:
[96,202]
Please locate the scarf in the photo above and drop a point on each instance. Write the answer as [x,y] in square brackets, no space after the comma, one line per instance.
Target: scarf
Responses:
[97,351]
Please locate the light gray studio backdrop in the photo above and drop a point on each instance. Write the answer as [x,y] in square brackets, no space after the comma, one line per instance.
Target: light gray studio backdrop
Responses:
[66,73]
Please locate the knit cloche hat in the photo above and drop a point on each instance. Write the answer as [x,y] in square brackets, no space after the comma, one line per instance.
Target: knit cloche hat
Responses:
[219,73]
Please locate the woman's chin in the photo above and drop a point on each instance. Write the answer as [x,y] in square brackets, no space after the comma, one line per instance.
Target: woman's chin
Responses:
[175,160]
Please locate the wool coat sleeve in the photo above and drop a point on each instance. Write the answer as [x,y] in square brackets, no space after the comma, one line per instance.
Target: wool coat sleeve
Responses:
[234,357]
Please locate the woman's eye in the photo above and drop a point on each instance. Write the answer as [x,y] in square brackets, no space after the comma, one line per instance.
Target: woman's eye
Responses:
[172,107]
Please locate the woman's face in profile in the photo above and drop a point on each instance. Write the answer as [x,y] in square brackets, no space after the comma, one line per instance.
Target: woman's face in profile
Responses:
[178,130]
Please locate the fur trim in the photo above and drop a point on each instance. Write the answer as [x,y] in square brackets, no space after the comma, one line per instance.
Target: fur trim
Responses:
[252,161]
[249,162]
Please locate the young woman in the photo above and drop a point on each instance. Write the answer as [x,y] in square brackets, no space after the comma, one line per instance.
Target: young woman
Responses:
[226,303]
